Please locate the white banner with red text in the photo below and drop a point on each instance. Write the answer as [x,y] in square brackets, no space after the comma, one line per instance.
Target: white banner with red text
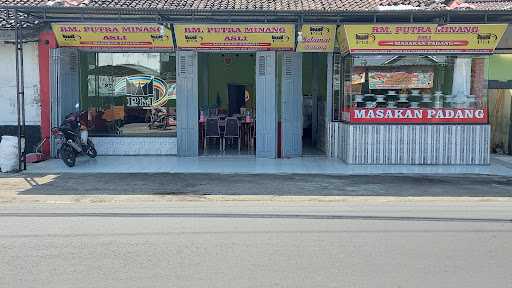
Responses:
[419,115]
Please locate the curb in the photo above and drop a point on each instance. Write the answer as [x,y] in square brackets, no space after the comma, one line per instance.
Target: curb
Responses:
[121,199]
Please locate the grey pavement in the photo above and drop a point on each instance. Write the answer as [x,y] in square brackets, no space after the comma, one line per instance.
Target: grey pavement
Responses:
[499,166]
[258,184]
[225,244]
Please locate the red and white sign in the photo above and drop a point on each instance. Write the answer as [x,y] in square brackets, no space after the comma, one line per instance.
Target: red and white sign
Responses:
[418,115]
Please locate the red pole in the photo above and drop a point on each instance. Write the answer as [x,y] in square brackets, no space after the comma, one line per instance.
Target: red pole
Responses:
[46,43]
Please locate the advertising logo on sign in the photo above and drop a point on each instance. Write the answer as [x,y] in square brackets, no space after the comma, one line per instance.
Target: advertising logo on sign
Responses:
[421,38]
[235,37]
[316,38]
[143,90]
[126,36]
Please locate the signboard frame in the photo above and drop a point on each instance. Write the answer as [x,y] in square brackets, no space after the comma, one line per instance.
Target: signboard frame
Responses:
[123,36]
[414,38]
[316,38]
[235,37]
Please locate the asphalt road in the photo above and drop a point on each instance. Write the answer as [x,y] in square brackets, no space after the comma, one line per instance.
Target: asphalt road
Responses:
[223,244]
[257,184]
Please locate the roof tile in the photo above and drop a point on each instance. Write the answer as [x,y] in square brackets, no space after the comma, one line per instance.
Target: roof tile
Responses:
[263,5]
[491,5]
[271,5]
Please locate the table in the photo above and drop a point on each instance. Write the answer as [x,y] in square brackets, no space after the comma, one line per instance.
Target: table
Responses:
[246,132]
[202,132]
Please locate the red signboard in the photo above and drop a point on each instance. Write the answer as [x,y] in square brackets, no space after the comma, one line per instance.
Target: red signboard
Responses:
[418,115]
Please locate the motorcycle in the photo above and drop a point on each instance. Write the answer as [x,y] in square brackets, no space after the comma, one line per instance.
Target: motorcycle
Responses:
[160,119]
[72,137]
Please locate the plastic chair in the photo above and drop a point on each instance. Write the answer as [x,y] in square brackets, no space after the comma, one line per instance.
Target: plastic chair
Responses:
[213,112]
[212,131]
[232,130]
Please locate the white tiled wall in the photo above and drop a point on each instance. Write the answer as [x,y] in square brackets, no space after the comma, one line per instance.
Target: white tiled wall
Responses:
[410,144]
[135,145]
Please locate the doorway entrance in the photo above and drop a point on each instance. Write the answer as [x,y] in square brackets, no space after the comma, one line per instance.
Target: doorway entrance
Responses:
[227,106]
[314,108]
[236,98]
[204,121]
[303,98]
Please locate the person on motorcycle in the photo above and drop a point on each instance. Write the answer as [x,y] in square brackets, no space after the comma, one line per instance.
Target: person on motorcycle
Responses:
[74,139]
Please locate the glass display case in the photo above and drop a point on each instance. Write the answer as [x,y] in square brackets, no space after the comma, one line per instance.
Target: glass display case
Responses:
[410,89]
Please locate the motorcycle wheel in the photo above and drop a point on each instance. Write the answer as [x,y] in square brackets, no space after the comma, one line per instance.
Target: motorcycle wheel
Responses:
[68,155]
[91,150]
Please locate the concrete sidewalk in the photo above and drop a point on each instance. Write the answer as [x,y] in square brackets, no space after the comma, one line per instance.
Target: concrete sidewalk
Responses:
[500,166]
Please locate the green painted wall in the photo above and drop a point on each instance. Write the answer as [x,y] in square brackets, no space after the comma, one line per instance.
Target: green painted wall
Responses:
[308,60]
[224,69]
[233,68]
[307,72]
[500,67]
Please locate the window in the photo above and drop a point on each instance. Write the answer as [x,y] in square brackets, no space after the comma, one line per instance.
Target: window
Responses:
[129,94]
[410,89]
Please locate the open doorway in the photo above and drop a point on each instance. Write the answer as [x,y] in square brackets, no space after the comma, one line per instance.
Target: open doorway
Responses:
[227,107]
[500,103]
[314,91]
[236,98]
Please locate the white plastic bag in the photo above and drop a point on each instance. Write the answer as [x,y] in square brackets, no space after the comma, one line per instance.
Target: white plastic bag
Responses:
[9,153]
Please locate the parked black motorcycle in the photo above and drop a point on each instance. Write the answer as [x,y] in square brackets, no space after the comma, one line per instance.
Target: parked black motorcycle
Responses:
[72,137]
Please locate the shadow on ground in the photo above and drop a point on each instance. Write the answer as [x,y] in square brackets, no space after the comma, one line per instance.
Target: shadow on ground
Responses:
[243,184]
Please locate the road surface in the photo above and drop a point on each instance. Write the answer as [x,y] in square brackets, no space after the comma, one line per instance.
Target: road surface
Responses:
[82,184]
[263,244]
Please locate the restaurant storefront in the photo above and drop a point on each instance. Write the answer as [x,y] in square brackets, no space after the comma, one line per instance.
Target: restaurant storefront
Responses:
[123,76]
[413,93]
[389,94]
[213,89]
[256,88]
